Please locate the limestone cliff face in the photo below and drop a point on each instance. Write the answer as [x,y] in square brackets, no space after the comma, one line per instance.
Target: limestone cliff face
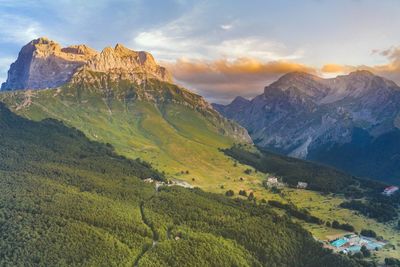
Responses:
[116,73]
[43,63]
[128,64]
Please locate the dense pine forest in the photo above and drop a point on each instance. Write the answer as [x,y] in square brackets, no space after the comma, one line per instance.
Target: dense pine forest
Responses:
[66,200]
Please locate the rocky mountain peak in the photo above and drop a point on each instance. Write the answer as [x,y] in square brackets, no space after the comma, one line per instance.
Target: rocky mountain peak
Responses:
[43,63]
[302,82]
[361,73]
[239,100]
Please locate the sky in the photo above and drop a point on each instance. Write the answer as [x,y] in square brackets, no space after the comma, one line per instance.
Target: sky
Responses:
[219,48]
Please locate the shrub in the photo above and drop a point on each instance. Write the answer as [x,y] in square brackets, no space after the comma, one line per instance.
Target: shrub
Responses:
[229,193]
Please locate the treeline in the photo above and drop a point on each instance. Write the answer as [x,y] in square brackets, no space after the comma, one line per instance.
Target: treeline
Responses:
[292,210]
[382,211]
[319,177]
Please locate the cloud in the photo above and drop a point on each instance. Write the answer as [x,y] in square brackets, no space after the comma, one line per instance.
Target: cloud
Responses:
[18,29]
[226,27]
[209,39]
[390,70]
[223,79]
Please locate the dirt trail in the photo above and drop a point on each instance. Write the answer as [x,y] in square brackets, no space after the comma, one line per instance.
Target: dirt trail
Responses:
[151,226]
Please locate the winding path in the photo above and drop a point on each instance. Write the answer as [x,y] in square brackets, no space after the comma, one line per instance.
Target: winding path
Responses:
[151,226]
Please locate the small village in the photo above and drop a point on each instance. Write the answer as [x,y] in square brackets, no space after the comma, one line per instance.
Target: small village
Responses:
[351,243]
[274,182]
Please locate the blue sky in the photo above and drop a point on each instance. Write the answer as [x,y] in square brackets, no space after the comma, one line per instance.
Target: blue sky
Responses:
[219,48]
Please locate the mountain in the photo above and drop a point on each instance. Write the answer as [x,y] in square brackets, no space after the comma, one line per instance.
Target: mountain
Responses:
[123,97]
[66,200]
[69,199]
[43,63]
[350,122]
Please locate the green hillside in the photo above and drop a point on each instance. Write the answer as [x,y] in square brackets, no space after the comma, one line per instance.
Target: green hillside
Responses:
[66,200]
[159,122]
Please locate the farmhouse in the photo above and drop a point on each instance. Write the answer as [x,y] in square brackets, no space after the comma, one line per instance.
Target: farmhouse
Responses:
[302,185]
[272,180]
[390,190]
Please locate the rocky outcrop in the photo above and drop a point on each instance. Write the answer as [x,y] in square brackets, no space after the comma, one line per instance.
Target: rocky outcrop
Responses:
[43,63]
[128,64]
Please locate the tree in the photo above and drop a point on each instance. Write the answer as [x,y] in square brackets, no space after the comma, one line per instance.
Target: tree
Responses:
[251,196]
[368,233]
[365,251]
[335,224]
[392,262]
[243,193]
[229,193]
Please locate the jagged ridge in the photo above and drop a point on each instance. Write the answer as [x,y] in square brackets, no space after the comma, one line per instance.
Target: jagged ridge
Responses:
[306,116]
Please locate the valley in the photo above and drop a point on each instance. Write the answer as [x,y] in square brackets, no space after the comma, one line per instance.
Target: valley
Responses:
[67,200]
[89,141]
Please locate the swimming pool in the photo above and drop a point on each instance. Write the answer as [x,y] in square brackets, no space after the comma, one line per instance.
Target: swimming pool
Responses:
[339,242]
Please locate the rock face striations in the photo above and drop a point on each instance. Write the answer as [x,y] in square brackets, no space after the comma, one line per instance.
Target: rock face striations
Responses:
[43,63]
[132,65]
[351,121]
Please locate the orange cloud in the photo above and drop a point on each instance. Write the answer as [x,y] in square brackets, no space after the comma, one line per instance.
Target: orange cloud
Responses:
[222,79]
[333,68]
[391,70]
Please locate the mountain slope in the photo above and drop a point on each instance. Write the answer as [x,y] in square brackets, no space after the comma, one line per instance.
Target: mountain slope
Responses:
[308,117]
[124,98]
[66,200]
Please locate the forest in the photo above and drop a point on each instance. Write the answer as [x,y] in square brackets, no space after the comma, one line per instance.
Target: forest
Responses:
[66,200]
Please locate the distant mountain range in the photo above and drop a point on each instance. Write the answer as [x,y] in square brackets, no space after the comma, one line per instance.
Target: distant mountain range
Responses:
[351,122]
[71,181]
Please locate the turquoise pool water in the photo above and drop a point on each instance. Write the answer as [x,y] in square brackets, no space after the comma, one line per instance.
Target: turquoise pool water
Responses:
[340,242]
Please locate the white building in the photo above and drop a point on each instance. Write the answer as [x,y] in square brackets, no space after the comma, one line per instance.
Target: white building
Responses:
[390,190]
[302,185]
[272,180]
